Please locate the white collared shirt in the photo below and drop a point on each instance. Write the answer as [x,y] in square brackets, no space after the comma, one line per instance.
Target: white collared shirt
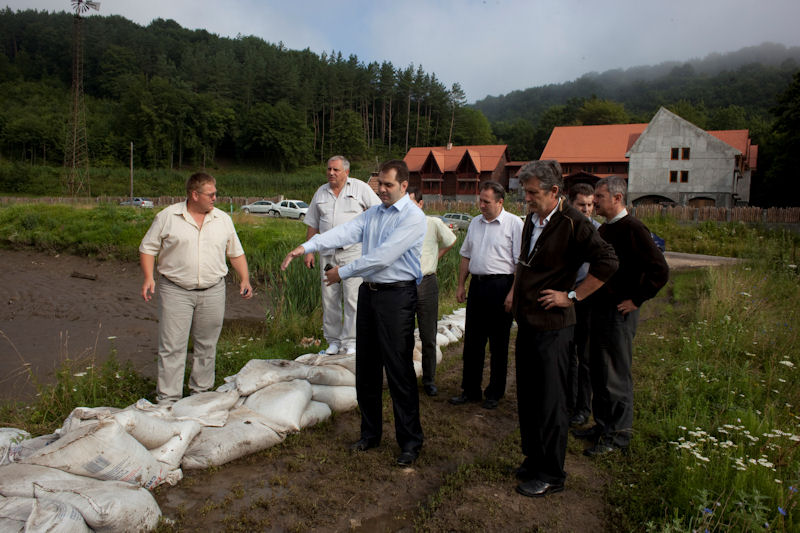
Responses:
[190,256]
[327,210]
[493,247]
[538,226]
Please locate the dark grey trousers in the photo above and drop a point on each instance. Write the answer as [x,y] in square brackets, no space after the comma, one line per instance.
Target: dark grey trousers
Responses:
[612,382]
[427,318]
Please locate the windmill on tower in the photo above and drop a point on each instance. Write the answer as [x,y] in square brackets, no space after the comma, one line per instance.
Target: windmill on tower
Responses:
[76,151]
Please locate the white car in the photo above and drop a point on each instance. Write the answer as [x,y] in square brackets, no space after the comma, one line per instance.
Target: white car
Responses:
[261,206]
[290,209]
[139,202]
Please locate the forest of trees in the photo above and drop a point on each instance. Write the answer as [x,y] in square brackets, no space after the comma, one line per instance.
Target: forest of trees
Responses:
[188,96]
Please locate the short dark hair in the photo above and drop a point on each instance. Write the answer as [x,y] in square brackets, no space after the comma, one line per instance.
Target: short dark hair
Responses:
[547,171]
[197,180]
[615,185]
[580,188]
[496,188]
[399,166]
[413,189]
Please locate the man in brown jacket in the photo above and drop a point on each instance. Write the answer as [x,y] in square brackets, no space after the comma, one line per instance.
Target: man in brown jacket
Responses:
[556,240]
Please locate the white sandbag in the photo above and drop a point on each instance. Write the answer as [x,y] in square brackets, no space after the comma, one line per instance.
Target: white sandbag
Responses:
[438,354]
[441,340]
[416,355]
[417,368]
[204,403]
[308,358]
[43,515]
[339,399]
[112,506]
[172,451]
[345,360]
[281,404]
[17,479]
[260,373]
[315,413]
[151,430]
[9,437]
[105,505]
[331,375]
[104,451]
[447,333]
[21,450]
[245,432]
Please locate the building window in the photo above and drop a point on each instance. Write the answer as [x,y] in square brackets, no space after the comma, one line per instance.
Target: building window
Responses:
[674,153]
[684,176]
[610,169]
[673,176]
[684,153]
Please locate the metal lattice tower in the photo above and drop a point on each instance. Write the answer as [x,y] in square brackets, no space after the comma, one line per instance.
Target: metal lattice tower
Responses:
[76,150]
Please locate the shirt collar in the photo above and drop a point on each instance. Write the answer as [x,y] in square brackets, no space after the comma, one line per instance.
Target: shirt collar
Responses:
[400,204]
[498,218]
[620,215]
[547,218]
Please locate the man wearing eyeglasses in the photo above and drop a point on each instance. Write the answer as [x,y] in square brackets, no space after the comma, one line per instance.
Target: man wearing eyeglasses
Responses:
[556,240]
[191,240]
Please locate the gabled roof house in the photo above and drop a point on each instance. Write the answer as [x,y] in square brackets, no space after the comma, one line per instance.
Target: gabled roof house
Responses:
[455,172]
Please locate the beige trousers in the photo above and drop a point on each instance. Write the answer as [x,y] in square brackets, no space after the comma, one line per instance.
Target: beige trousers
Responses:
[182,313]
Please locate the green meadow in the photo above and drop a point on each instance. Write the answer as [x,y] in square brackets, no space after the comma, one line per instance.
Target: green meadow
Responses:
[717,389]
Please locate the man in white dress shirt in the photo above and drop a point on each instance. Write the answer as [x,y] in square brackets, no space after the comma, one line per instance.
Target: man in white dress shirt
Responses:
[340,200]
[489,254]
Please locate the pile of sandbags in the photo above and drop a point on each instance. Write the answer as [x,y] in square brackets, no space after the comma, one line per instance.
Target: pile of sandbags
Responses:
[94,472]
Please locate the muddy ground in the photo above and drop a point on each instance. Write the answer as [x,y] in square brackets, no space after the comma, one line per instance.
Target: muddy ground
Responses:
[463,480]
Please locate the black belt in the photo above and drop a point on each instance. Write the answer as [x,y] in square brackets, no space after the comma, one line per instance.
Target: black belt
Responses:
[396,285]
[486,277]
[428,275]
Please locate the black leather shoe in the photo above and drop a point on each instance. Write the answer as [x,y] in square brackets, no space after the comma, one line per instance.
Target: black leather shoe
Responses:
[578,420]
[363,445]
[430,389]
[536,488]
[591,433]
[407,458]
[461,400]
[489,404]
[601,448]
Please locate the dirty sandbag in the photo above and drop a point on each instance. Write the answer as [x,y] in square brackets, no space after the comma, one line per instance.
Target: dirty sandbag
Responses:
[417,368]
[259,373]
[441,339]
[331,375]
[83,416]
[27,447]
[339,399]
[32,516]
[172,451]
[447,333]
[9,437]
[118,505]
[315,413]
[244,433]
[149,429]
[106,506]
[164,410]
[202,404]
[104,451]
[345,360]
[281,404]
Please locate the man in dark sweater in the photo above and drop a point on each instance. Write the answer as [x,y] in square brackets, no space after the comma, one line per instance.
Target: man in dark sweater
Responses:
[556,240]
[615,312]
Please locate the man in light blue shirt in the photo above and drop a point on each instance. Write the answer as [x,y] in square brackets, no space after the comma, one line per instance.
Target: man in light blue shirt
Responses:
[391,235]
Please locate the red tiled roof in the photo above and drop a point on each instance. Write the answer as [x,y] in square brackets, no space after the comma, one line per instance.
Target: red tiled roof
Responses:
[595,144]
[738,139]
[485,157]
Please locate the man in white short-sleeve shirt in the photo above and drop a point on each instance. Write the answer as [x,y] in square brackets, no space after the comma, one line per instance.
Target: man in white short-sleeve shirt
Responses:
[191,240]
[338,201]
[489,254]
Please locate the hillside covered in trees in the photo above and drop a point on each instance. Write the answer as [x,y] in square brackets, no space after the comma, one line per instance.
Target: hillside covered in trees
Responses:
[188,96]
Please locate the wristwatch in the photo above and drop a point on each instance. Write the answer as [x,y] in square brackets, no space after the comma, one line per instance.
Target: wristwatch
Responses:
[572,297]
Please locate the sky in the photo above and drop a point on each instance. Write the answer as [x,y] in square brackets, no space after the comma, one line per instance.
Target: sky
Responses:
[490,47]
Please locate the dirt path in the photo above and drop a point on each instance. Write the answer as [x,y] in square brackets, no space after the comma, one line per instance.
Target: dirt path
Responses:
[463,480]
[47,315]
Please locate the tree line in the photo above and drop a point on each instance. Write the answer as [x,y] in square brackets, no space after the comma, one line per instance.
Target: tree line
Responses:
[189,96]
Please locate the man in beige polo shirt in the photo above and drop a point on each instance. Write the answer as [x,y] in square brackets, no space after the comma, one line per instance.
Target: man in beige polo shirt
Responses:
[191,240]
